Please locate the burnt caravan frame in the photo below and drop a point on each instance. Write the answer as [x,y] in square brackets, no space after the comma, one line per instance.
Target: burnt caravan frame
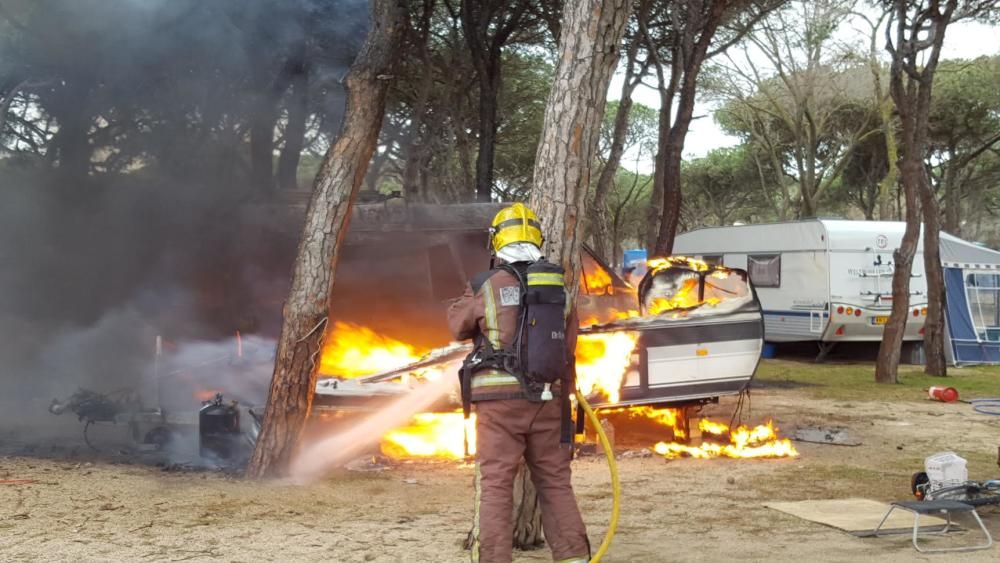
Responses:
[739,333]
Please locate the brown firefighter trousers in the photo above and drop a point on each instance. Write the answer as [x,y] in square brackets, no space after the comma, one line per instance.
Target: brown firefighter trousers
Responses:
[506,431]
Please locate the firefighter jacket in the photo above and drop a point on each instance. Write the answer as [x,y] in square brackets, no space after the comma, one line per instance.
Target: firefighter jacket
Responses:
[490,309]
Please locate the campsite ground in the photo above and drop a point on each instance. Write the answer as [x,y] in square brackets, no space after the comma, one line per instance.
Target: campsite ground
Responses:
[680,510]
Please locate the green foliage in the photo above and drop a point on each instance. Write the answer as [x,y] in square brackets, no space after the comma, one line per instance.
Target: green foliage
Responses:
[723,187]
[640,135]
[118,85]
[525,89]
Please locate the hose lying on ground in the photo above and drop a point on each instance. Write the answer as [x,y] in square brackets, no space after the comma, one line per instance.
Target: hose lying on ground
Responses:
[613,467]
[989,406]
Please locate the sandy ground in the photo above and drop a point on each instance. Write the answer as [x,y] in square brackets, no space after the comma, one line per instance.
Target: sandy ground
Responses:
[682,510]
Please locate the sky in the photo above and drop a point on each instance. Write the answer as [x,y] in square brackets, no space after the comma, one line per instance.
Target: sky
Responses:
[962,40]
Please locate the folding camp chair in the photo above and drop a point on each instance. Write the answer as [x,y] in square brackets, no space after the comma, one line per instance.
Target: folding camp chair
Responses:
[945,508]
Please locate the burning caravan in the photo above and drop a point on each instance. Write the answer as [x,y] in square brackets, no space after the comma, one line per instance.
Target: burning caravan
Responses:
[690,333]
[699,334]
[821,280]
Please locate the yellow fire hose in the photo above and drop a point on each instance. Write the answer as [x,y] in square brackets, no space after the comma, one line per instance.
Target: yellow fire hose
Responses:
[615,485]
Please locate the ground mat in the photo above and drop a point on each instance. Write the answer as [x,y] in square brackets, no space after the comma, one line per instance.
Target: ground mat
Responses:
[857,516]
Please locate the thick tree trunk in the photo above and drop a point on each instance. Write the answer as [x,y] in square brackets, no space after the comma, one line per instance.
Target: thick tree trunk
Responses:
[911,78]
[295,132]
[673,152]
[887,364]
[337,183]
[588,53]
[672,199]
[936,363]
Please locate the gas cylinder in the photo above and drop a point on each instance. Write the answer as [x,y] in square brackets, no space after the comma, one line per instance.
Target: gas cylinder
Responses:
[219,429]
[943,394]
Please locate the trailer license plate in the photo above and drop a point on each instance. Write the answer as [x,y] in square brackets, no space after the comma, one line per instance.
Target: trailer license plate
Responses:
[880,320]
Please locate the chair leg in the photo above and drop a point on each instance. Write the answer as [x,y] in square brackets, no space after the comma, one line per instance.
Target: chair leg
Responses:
[982,527]
[989,538]
[947,525]
[884,518]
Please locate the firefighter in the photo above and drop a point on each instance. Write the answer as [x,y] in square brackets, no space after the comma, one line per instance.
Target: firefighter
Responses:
[515,379]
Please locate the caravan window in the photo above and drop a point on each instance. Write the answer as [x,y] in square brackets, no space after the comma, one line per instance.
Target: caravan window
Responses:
[721,285]
[765,270]
[712,260]
[983,291]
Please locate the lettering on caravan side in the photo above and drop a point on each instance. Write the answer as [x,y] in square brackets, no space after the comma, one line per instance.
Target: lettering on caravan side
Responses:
[869,272]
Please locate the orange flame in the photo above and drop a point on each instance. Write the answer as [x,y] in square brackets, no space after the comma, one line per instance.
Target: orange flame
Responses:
[352,351]
[610,315]
[432,435]
[205,394]
[663,416]
[598,282]
[602,359]
[682,261]
[687,296]
[758,442]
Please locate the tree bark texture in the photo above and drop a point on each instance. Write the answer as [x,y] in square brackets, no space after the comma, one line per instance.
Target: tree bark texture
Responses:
[337,183]
[934,342]
[887,364]
[588,53]
[910,79]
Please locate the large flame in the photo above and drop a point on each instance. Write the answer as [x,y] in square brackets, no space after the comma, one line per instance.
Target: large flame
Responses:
[432,435]
[601,362]
[352,351]
[744,442]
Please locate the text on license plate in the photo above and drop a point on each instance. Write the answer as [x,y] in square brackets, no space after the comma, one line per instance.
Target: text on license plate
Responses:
[880,320]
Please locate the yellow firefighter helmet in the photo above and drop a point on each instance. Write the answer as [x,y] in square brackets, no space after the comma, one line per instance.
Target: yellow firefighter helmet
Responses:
[513,224]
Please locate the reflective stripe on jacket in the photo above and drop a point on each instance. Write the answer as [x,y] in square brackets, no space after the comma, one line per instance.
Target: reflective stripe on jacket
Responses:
[490,307]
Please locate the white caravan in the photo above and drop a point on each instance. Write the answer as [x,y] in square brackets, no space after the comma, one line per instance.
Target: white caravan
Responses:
[819,280]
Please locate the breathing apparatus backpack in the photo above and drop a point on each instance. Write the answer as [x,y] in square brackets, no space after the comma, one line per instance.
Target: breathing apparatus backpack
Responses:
[538,355]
